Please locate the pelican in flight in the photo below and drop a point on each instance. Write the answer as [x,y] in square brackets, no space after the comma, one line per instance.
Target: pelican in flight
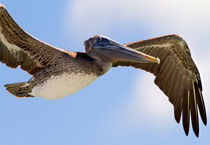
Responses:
[58,73]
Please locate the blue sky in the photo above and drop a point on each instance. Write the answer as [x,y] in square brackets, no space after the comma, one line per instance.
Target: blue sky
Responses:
[122,107]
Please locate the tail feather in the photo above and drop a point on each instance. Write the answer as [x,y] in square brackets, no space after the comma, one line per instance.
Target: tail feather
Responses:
[19,89]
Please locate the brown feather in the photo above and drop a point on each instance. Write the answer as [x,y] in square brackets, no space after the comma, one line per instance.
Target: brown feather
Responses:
[172,82]
[193,109]
[186,113]
[178,99]
[201,106]
[17,47]
[174,76]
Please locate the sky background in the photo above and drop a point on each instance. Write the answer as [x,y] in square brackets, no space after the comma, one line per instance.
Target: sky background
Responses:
[123,107]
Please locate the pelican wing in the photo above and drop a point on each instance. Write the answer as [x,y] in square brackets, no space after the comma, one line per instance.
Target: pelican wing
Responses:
[17,47]
[176,75]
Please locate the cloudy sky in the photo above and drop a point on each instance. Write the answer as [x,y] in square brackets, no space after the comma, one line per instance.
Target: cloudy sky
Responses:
[123,106]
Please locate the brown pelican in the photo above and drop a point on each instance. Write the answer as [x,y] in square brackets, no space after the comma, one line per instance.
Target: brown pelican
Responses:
[57,73]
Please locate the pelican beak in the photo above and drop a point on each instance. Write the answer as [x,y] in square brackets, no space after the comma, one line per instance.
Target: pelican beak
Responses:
[113,51]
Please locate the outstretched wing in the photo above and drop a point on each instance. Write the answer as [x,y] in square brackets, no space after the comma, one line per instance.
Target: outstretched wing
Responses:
[176,75]
[17,47]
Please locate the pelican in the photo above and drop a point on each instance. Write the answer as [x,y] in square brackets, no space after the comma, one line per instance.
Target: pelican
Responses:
[57,73]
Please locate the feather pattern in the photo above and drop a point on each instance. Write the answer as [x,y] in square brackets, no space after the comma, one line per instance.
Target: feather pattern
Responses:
[176,75]
[17,47]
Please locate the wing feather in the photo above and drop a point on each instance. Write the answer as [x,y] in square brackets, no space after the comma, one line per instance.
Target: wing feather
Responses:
[17,47]
[186,112]
[201,105]
[176,75]
[193,109]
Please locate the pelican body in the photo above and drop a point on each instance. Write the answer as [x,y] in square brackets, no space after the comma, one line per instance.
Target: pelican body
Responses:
[57,73]
[65,78]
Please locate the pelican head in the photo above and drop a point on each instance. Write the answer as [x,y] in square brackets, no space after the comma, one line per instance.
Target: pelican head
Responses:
[104,49]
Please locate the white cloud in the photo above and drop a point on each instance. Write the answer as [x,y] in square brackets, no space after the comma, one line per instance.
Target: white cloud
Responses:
[186,17]
[92,16]
[147,106]
[154,102]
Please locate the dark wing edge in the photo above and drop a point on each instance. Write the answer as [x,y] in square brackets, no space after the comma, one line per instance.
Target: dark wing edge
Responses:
[18,48]
[176,75]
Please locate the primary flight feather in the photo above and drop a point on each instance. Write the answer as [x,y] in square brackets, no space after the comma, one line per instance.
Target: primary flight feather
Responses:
[58,73]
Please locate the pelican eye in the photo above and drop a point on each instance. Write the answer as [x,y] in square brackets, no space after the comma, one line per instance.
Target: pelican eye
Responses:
[93,41]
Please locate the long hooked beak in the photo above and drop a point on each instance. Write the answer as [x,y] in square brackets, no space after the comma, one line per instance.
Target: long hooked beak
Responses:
[118,52]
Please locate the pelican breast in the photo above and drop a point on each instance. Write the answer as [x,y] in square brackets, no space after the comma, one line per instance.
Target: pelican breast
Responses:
[58,86]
